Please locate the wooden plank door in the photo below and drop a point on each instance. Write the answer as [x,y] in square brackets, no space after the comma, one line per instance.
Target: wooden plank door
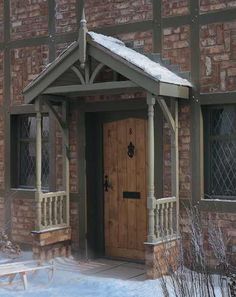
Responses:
[125,219]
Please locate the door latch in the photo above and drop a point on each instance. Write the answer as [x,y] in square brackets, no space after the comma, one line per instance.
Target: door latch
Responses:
[107,185]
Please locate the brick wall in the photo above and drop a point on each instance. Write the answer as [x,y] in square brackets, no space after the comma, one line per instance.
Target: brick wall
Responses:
[176,46]
[1,76]
[1,20]
[214,5]
[138,40]
[227,224]
[29,18]
[175,7]
[26,64]
[74,223]
[218,57]
[65,15]
[184,154]
[105,13]
[73,151]
[23,220]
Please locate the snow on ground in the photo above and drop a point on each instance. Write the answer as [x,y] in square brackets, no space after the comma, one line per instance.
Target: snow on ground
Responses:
[71,282]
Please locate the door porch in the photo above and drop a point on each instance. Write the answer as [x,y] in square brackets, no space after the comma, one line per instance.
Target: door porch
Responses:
[79,72]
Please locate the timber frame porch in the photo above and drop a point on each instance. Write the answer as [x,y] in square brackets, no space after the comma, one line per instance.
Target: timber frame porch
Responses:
[76,73]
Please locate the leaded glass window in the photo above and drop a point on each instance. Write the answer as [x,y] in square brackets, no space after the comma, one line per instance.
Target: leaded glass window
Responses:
[220,151]
[26,147]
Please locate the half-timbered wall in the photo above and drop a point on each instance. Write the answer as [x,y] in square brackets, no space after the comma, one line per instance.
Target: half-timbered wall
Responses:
[200,36]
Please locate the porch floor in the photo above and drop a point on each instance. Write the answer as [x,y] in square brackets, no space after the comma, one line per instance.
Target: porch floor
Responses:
[105,268]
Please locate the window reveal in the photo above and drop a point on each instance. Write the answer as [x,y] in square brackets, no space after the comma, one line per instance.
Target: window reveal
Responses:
[220,151]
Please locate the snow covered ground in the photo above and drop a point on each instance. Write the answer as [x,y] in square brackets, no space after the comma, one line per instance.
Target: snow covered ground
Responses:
[74,279]
[68,280]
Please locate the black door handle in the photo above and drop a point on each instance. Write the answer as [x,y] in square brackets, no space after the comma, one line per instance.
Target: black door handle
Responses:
[106,184]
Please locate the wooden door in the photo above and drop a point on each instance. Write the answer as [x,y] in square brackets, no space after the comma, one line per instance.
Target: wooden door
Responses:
[125,219]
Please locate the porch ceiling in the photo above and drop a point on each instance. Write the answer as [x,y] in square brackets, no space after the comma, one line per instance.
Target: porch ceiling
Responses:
[131,71]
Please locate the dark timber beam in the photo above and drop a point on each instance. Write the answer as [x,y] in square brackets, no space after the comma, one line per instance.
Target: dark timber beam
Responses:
[157,26]
[217,98]
[195,106]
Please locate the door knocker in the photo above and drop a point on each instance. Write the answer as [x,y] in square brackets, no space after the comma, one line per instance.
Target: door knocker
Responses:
[131,150]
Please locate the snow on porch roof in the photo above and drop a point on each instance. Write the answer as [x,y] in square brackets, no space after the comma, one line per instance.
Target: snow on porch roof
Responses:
[113,49]
[154,69]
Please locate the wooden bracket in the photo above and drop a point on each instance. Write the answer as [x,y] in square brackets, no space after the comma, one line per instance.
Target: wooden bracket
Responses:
[167,113]
[62,121]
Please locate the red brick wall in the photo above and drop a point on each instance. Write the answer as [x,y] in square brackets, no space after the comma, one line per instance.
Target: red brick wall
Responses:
[1,76]
[73,151]
[74,223]
[26,64]
[176,46]
[214,5]
[227,224]
[29,18]
[23,220]
[175,7]
[135,40]
[184,151]
[184,154]
[218,57]
[111,12]
[66,18]
[1,20]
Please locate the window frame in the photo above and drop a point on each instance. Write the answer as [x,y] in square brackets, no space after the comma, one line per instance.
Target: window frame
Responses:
[15,152]
[197,152]
[207,139]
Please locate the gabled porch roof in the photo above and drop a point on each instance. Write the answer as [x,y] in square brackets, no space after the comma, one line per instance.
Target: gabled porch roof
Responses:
[77,72]
[66,75]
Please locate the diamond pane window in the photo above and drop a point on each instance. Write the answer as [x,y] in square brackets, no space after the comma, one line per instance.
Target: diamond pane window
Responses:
[27,151]
[220,151]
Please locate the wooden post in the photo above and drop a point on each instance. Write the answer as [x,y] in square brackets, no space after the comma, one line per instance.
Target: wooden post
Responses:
[66,180]
[175,159]
[38,162]
[151,200]
[82,41]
